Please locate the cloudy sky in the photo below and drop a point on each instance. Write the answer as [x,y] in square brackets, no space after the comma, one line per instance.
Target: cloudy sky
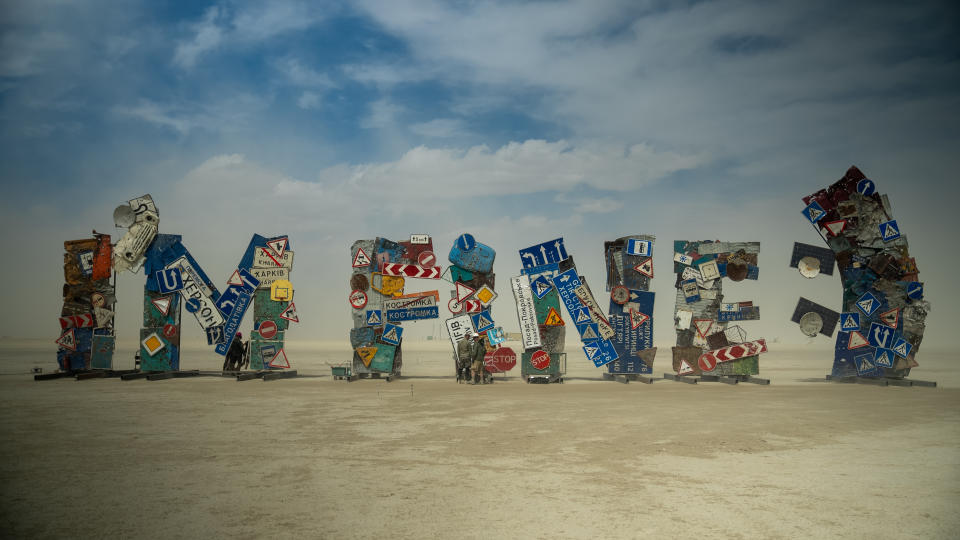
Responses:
[515,121]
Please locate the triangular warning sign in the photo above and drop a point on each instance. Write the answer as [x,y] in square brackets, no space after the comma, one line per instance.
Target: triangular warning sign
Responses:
[542,288]
[856,341]
[279,246]
[162,304]
[582,316]
[703,327]
[850,322]
[361,259]
[391,335]
[554,318]
[591,351]
[366,354]
[637,319]
[890,318]
[684,368]
[373,319]
[483,321]
[290,313]
[645,267]
[884,359]
[864,364]
[866,305]
[589,333]
[814,214]
[235,279]
[836,227]
[889,231]
[279,360]
[68,340]
[463,291]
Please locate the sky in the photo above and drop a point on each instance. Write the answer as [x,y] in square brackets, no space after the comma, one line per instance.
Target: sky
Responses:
[517,122]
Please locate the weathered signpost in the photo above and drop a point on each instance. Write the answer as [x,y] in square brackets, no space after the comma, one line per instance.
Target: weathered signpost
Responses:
[629,264]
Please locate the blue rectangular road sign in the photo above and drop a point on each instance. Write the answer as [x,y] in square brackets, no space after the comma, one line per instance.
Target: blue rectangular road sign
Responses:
[169,280]
[880,336]
[550,269]
[545,253]
[599,351]
[849,321]
[565,283]
[412,314]
[237,299]
[482,321]
[639,247]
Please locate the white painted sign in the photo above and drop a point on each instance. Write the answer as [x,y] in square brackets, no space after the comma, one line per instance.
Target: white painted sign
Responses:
[193,287]
[408,303]
[529,331]
[596,315]
[268,275]
[420,239]
[267,258]
[457,328]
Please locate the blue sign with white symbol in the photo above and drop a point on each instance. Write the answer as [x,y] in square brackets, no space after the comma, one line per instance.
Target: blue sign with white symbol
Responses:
[545,253]
[889,230]
[639,247]
[169,280]
[600,351]
[391,334]
[814,212]
[868,303]
[549,269]
[866,187]
[902,347]
[215,335]
[374,317]
[233,303]
[580,316]
[412,314]
[588,331]
[192,305]
[466,242]
[849,321]
[880,336]
[482,321]
[566,282]
[541,286]
[883,358]
[865,365]
[915,290]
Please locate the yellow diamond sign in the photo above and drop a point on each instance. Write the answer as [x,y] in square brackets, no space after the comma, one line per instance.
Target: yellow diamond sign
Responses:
[485,295]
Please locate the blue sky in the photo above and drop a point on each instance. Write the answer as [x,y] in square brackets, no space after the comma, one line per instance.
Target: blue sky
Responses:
[516,121]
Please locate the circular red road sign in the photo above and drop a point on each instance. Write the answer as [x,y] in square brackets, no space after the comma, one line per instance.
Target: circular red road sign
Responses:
[707,362]
[267,329]
[540,360]
[170,331]
[426,259]
[97,299]
[454,306]
[500,360]
[620,294]
[358,299]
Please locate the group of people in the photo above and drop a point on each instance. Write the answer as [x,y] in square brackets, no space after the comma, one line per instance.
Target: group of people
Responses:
[470,352]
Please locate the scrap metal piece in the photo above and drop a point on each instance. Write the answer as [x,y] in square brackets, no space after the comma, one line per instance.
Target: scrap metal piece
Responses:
[824,255]
[811,323]
[829,317]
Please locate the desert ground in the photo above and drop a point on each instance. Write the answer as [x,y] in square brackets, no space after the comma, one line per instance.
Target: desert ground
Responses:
[424,457]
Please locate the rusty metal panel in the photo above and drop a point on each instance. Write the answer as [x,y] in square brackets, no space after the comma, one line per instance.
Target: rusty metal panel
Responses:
[552,338]
[686,357]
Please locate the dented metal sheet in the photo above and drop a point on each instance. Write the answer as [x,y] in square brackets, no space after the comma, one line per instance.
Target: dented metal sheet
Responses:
[825,256]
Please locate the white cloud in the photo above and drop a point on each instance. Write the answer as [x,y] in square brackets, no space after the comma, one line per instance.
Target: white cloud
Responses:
[207,35]
[383,113]
[298,74]
[439,128]
[229,114]
[309,101]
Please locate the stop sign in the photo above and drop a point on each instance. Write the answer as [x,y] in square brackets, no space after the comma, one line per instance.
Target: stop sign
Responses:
[540,360]
[500,360]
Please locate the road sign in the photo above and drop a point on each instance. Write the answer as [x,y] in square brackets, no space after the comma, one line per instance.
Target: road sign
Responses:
[880,336]
[526,312]
[495,336]
[540,360]
[426,259]
[265,258]
[482,321]
[703,327]
[643,248]
[620,294]
[645,267]
[279,360]
[709,270]
[566,283]
[580,316]
[735,334]
[865,365]
[411,271]
[902,347]
[554,318]
[68,340]
[849,321]
[267,329]
[457,328]
[600,351]
[361,259]
[596,314]
[374,317]
[466,242]
[883,358]
[637,319]
[814,212]
[707,363]
[281,290]
[290,313]
[500,360]
[866,187]
[857,341]
[152,344]
[455,307]
[541,286]
[463,291]
[588,331]
[890,318]
[198,293]
[835,227]
[389,285]
[366,354]
[542,254]
[683,259]
[358,299]
[392,334]
[915,290]
[214,335]
[685,368]
[485,295]
[740,350]
[420,239]
[268,276]
[235,279]
[868,303]
[889,230]
[278,245]
[169,280]
[170,331]
[409,301]
[77,321]
[412,314]
[691,293]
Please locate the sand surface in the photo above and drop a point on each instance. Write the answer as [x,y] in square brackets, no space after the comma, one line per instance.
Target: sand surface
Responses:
[424,457]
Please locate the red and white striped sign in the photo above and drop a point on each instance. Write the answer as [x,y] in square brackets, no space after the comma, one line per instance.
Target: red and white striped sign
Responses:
[77,321]
[411,271]
[734,352]
[707,362]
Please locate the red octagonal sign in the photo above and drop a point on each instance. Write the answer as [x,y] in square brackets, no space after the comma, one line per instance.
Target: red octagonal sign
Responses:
[540,360]
[500,360]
